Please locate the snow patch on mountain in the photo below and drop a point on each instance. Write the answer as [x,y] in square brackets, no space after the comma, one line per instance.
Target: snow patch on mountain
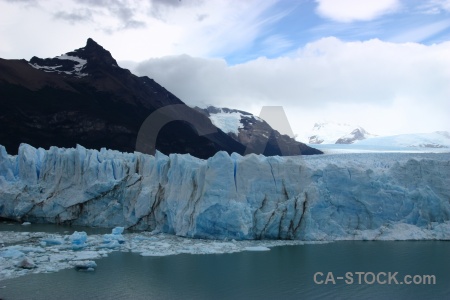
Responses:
[73,68]
[80,63]
[45,68]
[228,122]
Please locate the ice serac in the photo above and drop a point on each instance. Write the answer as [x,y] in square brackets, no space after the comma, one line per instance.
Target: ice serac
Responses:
[355,196]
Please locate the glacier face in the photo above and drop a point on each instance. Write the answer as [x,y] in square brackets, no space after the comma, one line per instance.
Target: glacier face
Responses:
[354,196]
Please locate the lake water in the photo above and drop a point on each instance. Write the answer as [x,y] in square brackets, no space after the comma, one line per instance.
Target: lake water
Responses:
[285,272]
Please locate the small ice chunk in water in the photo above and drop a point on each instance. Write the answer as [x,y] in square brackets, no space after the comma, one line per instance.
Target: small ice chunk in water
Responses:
[257,248]
[111,244]
[52,241]
[26,263]
[26,223]
[11,253]
[78,240]
[115,236]
[87,265]
[118,230]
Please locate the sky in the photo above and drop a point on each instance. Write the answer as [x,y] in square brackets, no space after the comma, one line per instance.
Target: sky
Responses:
[380,64]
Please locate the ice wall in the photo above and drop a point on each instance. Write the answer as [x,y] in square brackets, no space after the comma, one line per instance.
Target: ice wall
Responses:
[346,196]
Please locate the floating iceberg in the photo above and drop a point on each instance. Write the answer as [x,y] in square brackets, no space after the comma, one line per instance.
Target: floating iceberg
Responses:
[51,241]
[114,239]
[78,239]
[26,263]
[256,248]
[117,231]
[11,253]
[88,265]
[346,196]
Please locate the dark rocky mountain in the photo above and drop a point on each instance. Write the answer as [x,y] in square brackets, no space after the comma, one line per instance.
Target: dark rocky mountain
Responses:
[84,97]
[254,132]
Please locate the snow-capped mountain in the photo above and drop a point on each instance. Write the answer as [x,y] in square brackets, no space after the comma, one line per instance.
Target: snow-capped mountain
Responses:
[84,97]
[437,139]
[336,133]
[254,132]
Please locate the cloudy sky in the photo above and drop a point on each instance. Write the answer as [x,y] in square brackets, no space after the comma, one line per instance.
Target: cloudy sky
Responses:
[381,64]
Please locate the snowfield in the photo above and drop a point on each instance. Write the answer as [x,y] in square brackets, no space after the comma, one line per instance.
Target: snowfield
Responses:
[359,147]
[76,70]
[314,198]
[227,122]
[438,139]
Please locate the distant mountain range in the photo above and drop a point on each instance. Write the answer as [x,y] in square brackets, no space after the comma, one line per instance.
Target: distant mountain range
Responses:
[336,133]
[84,97]
[341,133]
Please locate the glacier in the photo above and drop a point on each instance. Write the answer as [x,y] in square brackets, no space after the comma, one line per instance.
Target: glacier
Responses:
[311,198]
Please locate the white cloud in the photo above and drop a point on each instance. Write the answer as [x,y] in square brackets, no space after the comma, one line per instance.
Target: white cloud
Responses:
[422,33]
[276,43]
[229,26]
[331,79]
[435,6]
[134,29]
[355,10]
[372,83]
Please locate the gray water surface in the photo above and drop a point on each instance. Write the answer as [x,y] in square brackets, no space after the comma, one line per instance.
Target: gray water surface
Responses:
[49,228]
[283,273]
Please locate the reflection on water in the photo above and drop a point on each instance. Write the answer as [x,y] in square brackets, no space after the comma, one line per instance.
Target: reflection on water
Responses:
[283,273]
